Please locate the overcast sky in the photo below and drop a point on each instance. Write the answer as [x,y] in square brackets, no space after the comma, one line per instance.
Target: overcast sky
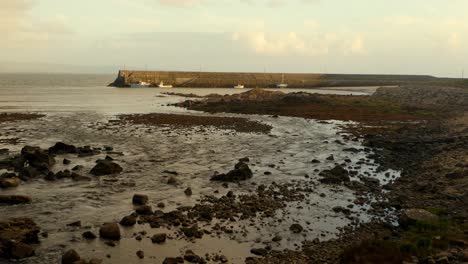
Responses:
[328,36]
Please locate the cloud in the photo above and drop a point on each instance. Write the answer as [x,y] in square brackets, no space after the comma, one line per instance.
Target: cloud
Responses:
[293,43]
[279,43]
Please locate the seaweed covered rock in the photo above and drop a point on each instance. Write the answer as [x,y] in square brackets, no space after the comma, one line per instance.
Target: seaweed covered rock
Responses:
[336,175]
[37,157]
[241,172]
[16,238]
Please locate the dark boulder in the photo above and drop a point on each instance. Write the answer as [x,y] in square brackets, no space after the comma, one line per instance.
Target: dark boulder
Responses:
[259,251]
[16,237]
[110,231]
[86,151]
[62,148]
[191,257]
[241,172]
[14,199]
[106,168]
[336,175]
[70,257]
[129,220]
[296,228]
[159,238]
[37,158]
[140,199]
[144,210]
[89,235]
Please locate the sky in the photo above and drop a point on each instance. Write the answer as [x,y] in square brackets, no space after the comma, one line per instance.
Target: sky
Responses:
[319,36]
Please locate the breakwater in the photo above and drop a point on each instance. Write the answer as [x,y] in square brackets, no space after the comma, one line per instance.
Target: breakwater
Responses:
[268,80]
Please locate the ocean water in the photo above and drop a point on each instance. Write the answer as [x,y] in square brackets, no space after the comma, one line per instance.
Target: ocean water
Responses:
[89,93]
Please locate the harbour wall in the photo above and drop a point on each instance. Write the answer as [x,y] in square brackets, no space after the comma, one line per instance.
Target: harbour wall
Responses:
[264,80]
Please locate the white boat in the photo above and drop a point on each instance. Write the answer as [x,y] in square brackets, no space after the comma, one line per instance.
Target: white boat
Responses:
[162,85]
[282,84]
[140,85]
[239,86]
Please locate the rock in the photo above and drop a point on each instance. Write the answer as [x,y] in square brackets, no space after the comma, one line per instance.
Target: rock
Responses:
[89,235]
[139,199]
[75,224]
[10,182]
[26,173]
[161,205]
[159,238]
[188,191]
[77,167]
[412,216]
[86,151]
[108,148]
[21,250]
[336,175]
[338,209]
[110,231]
[140,254]
[63,174]
[296,228]
[37,158]
[223,259]
[192,231]
[353,150]
[277,238]
[14,199]
[191,257]
[241,172]
[62,148]
[129,220]
[458,174]
[259,251]
[66,161]
[106,168]
[316,161]
[16,237]
[172,181]
[331,157]
[70,257]
[245,159]
[170,261]
[144,210]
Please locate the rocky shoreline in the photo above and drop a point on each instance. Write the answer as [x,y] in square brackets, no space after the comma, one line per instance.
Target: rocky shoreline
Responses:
[429,144]
[428,200]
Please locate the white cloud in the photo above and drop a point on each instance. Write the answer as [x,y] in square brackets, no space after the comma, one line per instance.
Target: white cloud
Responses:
[279,43]
[293,43]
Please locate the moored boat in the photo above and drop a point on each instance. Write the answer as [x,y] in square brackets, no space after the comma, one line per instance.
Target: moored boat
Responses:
[162,85]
